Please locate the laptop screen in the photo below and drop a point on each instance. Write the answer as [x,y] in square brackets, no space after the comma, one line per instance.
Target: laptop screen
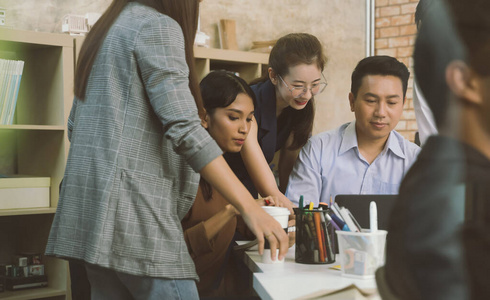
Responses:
[358,205]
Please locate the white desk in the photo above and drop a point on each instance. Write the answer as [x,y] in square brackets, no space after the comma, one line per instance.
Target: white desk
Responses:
[291,280]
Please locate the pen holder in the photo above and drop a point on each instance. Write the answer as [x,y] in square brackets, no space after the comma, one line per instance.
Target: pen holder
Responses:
[361,253]
[314,234]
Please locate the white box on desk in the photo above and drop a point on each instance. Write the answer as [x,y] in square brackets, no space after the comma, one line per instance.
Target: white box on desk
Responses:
[19,192]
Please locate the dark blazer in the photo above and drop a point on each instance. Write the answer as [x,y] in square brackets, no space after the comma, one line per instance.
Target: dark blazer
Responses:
[434,234]
[136,145]
[270,139]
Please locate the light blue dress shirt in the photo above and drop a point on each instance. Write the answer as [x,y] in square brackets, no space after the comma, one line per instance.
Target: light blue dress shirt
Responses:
[330,164]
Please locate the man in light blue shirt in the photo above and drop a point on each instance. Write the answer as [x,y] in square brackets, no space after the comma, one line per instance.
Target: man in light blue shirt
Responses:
[366,156]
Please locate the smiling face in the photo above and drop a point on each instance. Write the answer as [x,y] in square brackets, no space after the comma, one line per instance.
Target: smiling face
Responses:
[230,125]
[299,76]
[377,106]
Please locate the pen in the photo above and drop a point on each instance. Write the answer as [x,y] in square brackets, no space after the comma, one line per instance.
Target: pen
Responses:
[340,223]
[324,242]
[311,206]
[329,218]
[316,218]
[301,202]
[323,205]
[326,235]
[356,224]
[345,215]
[373,216]
[323,229]
[336,210]
[313,244]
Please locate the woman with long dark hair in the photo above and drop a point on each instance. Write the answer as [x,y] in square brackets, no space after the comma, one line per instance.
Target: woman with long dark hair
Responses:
[210,224]
[137,147]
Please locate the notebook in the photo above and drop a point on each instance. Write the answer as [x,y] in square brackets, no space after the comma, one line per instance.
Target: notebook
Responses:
[358,205]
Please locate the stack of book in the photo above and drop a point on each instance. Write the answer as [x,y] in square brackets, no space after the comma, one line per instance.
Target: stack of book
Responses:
[10,76]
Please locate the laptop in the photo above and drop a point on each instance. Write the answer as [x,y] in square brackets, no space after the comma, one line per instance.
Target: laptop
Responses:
[358,205]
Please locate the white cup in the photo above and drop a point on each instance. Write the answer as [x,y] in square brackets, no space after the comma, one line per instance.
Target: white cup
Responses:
[281,215]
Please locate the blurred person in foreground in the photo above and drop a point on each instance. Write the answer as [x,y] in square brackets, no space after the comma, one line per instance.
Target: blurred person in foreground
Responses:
[438,241]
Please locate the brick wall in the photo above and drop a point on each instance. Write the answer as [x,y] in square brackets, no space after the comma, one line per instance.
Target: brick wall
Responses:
[395,36]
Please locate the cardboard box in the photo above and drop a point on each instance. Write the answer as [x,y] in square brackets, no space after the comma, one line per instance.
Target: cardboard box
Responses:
[24,192]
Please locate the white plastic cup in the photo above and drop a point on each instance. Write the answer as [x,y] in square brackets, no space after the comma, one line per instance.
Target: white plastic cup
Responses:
[361,253]
[281,215]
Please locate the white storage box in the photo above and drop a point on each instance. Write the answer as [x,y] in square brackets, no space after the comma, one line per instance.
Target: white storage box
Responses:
[24,192]
[361,253]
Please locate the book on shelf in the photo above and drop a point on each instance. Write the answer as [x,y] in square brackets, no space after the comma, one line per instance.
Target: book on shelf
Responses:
[10,77]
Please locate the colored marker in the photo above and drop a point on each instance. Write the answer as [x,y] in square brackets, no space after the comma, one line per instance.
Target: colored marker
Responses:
[316,218]
[329,218]
[339,222]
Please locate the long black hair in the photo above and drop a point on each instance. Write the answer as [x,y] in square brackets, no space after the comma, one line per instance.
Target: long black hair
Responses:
[220,89]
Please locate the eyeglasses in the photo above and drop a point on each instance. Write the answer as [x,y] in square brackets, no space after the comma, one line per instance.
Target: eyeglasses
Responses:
[299,91]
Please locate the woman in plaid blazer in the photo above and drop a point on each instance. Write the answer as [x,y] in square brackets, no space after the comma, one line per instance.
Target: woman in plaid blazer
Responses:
[137,147]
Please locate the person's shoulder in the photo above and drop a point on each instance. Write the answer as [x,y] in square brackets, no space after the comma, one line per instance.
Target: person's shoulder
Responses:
[257,86]
[263,89]
[140,14]
[333,132]
[328,137]
[408,147]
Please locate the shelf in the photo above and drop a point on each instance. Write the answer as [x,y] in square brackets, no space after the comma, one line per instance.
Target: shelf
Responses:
[37,144]
[33,127]
[231,55]
[47,78]
[32,294]
[248,65]
[27,211]
[10,39]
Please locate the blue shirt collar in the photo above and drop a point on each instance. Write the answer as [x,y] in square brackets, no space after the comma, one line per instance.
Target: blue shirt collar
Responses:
[393,144]
[349,141]
[349,138]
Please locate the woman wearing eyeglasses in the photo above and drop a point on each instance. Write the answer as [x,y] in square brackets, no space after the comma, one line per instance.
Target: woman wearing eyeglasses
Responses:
[284,114]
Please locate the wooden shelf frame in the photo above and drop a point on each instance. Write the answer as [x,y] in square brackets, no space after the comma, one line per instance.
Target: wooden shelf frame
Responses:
[37,145]
[37,141]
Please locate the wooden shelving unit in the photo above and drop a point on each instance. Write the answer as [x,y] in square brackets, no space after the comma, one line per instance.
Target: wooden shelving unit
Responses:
[37,145]
[249,65]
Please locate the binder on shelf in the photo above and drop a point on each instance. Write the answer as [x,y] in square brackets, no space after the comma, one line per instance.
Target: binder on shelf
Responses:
[10,77]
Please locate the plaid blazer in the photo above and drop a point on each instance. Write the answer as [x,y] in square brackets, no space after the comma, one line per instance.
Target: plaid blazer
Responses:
[136,145]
